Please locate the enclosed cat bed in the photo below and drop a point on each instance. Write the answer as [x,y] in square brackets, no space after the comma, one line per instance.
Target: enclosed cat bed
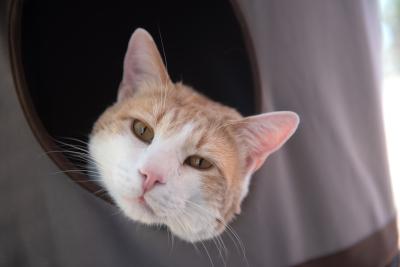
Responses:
[69,61]
[323,194]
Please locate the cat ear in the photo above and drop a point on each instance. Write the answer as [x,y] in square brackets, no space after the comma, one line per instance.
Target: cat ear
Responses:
[264,134]
[142,63]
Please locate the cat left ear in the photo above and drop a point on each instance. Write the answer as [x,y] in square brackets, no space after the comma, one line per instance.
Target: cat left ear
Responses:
[142,63]
[264,134]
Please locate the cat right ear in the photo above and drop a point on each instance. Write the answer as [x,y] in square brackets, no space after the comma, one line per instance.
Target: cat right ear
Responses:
[264,134]
[142,63]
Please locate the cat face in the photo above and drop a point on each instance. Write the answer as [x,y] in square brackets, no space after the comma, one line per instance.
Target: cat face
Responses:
[168,155]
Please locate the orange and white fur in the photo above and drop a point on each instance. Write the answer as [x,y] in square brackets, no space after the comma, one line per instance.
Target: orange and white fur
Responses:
[168,155]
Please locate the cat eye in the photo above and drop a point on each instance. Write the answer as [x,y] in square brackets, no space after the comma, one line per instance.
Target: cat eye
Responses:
[142,131]
[198,163]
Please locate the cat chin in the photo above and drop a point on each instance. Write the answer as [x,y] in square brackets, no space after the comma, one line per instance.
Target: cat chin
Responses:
[199,231]
[138,213]
[176,229]
[201,235]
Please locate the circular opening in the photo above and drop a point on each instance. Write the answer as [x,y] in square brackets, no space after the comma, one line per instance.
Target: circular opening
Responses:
[68,61]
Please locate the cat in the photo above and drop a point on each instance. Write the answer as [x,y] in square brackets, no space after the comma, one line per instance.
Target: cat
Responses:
[168,155]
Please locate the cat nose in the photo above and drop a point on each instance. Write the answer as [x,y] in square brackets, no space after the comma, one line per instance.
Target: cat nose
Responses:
[150,179]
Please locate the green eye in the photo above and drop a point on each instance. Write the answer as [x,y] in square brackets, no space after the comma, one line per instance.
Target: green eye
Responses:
[142,131]
[198,163]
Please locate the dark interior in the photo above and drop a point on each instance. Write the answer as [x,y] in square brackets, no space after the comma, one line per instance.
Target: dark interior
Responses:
[72,54]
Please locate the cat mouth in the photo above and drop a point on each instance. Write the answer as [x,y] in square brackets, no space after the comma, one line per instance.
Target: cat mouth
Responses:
[141,202]
[145,205]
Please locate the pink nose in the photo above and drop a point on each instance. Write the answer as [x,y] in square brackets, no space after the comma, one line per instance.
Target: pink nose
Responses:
[150,179]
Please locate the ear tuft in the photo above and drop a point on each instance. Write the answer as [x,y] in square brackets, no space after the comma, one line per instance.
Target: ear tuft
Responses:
[142,63]
[264,134]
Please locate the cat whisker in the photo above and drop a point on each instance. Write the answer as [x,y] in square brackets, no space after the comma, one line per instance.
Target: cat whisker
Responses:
[208,254]
[86,181]
[223,245]
[70,153]
[169,234]
[119,211]
[228,229]
[75,139]
[77,147]
[165,87]
[81,150]
[77,170]
[184,228]
[100,191]
[80,142]
[218,242]
[77,155]
[163,50]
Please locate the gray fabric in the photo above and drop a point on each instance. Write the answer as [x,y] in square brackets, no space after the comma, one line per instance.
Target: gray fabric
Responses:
[327,189]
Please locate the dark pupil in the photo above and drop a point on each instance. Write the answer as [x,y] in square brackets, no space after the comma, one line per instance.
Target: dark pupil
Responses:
[142,130]
[199,162]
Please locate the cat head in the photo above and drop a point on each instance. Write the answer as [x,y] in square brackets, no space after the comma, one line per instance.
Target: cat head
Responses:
[168,155]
